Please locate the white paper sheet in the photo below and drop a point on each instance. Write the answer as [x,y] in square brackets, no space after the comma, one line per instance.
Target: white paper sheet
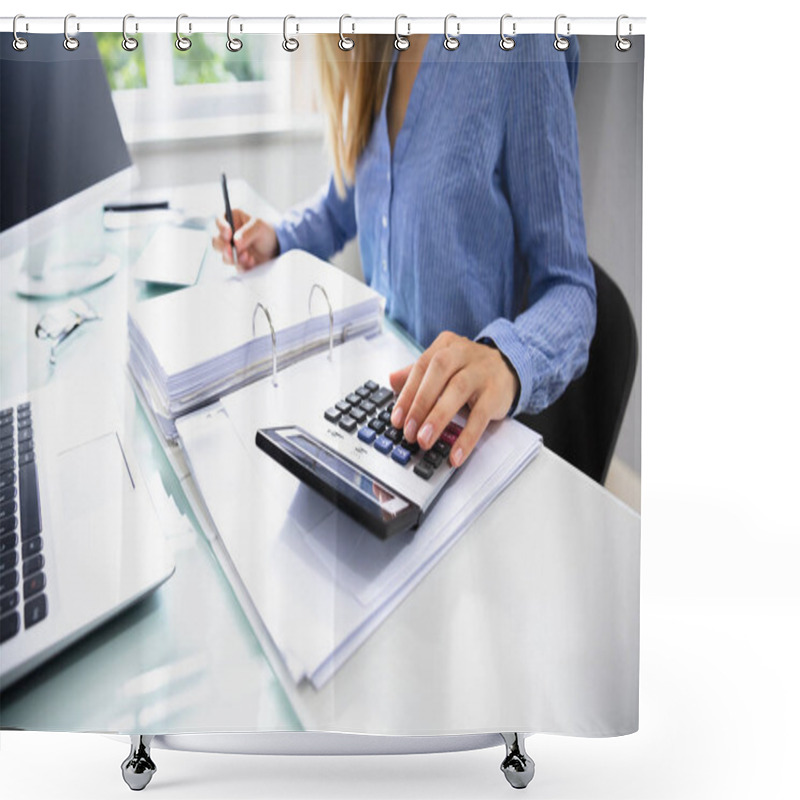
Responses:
[173,256]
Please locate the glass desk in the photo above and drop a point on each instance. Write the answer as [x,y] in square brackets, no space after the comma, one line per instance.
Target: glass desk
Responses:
[187,660]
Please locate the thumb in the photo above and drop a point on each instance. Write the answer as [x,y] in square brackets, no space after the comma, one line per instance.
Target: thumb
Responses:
[247,235]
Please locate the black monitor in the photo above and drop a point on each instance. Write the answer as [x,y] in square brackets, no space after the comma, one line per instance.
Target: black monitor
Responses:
[61,148]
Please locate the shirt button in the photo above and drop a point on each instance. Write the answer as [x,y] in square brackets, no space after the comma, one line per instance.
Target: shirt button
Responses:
[385,221]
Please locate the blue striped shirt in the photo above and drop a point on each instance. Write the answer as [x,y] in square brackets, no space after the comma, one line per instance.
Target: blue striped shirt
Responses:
[474,224]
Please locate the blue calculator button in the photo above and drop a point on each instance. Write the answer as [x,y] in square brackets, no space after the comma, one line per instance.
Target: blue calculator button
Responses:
[401,455]
[367,435]
[383,445]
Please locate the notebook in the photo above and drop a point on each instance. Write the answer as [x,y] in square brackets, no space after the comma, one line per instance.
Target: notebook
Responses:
[191,347]
[316,582]
[173,256]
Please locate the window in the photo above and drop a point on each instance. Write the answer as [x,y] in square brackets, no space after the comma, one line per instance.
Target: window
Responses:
[206,91]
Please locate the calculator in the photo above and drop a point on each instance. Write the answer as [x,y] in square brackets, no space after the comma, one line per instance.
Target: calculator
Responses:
[353,455]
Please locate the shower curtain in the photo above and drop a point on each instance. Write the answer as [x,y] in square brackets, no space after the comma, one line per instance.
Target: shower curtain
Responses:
[463,202]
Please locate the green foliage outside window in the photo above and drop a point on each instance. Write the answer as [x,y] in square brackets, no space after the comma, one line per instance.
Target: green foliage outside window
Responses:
[206,61]
[209,61]
[124,70]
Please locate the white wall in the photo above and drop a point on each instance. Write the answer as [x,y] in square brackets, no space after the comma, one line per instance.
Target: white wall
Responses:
[608,103]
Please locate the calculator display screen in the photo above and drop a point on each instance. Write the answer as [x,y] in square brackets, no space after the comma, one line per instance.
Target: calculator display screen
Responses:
[372,490]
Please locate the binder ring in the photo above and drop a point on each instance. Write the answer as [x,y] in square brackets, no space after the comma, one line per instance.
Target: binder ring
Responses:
[233,45]
[345,43]
[560,42]
[128,42]
[18,43]
[70,42]
[507,42]
[260,305]
[289,45]
[182,42]
[451,42]
[330,315]
[401,42]
[622,44]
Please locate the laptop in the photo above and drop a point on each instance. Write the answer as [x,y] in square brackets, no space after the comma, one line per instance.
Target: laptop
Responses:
[79,538]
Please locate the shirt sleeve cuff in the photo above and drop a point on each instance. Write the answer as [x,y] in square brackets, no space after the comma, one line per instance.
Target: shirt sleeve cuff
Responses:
[286,239]
[527,365]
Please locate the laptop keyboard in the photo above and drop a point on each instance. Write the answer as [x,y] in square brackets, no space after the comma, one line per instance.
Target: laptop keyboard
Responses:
[23,602]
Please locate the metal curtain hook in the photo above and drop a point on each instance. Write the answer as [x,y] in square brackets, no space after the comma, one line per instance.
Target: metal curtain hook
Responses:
[234,45]
[507,42]
[345,43]
[70,42]
[182,42]
[561,43]
[19,44]
[401,42]
[451,42]
[128,42]
[289,44]
[622,44]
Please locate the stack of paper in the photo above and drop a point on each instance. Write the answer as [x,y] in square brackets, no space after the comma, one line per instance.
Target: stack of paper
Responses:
[318,582]
[191,347]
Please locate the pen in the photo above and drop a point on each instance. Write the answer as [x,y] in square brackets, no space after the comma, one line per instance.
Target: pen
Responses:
[229,217]
[164,204]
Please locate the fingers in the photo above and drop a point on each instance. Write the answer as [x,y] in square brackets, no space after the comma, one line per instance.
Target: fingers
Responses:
[222,241]
[411,385]
[445,387]
[398,379]
[451,373]
[479,417]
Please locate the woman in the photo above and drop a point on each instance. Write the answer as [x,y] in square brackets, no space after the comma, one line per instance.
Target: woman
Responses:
[458,171]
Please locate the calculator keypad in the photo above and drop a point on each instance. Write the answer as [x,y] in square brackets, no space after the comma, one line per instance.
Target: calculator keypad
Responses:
[367,410]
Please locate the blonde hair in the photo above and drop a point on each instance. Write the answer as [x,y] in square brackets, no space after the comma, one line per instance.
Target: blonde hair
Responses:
[353,84]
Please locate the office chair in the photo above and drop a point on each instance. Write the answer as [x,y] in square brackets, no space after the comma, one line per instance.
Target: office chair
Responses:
[583,424]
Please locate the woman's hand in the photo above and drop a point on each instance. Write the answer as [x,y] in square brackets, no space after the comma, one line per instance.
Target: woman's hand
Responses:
[255,241]
[452,372]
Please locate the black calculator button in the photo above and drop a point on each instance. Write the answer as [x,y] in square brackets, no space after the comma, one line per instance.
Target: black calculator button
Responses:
[343,406]
[368,406]
[7,478]
[9,626]
[381,397]
[8,543]
[33,585]
[412,447]
[333,415]
[31,547]
[8,560]
[8,524]
[353,399]
[35,610]
[358,414]
[378,425]
[423,469]
[372,386]
[9,602]
[442,448]
[9,581]
[7,413]
[395,435]
[32,565]
[347,423]
[363,392]
[433,458]
[385,416]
